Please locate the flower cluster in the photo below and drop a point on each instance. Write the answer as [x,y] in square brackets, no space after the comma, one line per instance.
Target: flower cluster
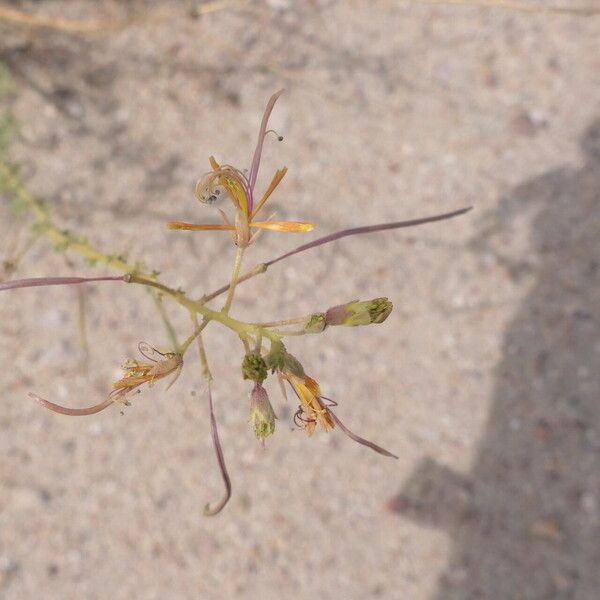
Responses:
[264,353]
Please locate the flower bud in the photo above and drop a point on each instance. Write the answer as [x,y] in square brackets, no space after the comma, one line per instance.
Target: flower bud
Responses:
[316,323]
[262,415]
[359,312]
[254,367]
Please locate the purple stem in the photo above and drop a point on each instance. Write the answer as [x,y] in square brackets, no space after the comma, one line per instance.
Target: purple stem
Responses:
[72,412]
[360,440]
[43,281]
[208,511]
[261,138]
[332,237]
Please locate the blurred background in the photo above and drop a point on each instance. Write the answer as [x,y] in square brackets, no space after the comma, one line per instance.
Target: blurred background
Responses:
[485,379]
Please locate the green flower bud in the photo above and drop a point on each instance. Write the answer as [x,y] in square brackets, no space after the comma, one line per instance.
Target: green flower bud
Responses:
[254,367]
[262,415]
[359,312]
[316,323]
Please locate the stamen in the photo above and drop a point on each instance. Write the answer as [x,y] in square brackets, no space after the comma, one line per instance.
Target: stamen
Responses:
[279,137]
[298,416]
[148,351]
[330,402]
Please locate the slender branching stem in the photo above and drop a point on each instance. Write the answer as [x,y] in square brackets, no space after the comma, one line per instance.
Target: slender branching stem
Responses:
[281,334]
[18,17]
[257,270]
[160,307]
[82,323]
[332,237]
[237,265]
[258,343]
[205,369]
[62,239]
[246,343]
[284,322]
[193,306]
[199,328]
[207,376]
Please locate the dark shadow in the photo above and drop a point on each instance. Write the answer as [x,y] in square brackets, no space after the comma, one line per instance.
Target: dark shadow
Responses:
[525,524]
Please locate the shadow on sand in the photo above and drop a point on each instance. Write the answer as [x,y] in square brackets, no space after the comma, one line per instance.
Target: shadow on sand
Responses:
[525,524]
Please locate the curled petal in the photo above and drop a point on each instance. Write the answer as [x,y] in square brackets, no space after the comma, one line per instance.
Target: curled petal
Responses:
[208,511]
[72,412]
[286,226]
[200,227]
[360,440]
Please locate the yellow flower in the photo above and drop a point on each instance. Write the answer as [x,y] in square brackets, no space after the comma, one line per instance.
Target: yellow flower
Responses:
[227,181]
[312,410]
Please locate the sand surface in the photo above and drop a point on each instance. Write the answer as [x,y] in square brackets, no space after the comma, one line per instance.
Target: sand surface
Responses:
[485,379]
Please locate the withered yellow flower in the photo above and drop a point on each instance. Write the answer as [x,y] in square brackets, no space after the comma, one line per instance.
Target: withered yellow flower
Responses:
[312,409]
[137,373]
[227,181]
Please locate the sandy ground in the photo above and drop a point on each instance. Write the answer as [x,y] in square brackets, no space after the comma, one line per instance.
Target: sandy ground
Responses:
[484,380]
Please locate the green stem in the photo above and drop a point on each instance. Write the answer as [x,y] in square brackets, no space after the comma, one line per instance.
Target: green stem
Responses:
[199,327]
[63,239]
[303,319]
[281,334]
[237,265]
[165,319]
[257,270]
[206,374]
[197,307]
